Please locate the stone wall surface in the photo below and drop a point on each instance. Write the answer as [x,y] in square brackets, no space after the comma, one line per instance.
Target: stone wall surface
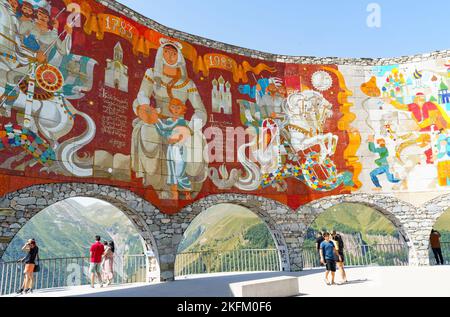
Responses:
[163,233]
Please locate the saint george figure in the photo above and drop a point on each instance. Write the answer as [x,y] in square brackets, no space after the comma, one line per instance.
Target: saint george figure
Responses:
[272,100]
[167,81]
[269,95]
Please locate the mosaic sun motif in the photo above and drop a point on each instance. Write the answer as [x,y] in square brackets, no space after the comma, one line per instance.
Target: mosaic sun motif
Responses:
[322,81]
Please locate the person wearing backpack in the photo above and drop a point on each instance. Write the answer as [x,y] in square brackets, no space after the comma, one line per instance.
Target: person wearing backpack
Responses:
[339,244]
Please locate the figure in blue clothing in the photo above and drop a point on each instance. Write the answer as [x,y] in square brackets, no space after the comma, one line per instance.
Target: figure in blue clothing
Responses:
[269,95]
[176,130]
[382,163]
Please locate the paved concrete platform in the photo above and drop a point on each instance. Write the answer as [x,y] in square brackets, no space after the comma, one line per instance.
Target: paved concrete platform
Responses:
[363,282]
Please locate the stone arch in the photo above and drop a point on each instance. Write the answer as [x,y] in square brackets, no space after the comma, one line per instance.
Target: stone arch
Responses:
[431,212]
[21,206]
[400,213]
[272,213]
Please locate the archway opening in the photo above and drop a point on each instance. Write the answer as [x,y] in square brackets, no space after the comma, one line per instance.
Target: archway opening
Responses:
[64,233]
[440,241]
[370,238]
[227,238]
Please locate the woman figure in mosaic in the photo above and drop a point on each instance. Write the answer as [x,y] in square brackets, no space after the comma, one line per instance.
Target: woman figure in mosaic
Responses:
[162,85]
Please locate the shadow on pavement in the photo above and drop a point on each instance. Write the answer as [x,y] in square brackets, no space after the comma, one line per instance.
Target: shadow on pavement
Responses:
[357,282]
[217,286]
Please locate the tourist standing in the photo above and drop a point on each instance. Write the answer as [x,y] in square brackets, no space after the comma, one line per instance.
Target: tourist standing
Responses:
[435,241]
[108,263]
[319,240]
[328,254]
[30,264]
[339,245]
[96,253]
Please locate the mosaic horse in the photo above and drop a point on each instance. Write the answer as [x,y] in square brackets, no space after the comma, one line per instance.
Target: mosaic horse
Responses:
[47,112]
[287,140]
[306,114]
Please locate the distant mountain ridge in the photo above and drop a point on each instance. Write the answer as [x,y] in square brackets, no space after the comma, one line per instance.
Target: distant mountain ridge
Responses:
[67,229]
[226,227]
[355,218]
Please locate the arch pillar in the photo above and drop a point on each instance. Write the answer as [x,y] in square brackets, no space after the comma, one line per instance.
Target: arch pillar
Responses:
[274,214]
[19,207]
[430,213]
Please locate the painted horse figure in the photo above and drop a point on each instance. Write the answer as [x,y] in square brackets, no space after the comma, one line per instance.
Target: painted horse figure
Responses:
[306,114]
[40,94]
[280,148]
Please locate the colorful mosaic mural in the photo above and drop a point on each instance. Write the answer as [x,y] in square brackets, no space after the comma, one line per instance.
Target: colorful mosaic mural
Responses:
[89,95]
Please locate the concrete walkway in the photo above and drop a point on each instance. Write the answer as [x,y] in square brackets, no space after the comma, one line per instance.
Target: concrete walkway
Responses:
[364,282]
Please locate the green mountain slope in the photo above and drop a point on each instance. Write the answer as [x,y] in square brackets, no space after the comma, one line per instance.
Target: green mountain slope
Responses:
[443,226]
[67,229]
[354,218]
[443,223]
[226,227]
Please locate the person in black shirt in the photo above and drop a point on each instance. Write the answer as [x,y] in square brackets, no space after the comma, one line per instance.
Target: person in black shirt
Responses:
[30,263]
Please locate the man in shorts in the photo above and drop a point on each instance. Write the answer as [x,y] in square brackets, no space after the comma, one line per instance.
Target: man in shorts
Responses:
[97,250]
[328,255]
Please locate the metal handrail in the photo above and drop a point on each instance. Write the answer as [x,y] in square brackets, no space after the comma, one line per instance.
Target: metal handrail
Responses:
[227,261]
[363,255]
[445,246]
[218,251]
[71,271]
[68,258]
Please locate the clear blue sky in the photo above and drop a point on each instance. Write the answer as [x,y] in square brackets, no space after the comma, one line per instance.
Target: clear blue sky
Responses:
[309,27]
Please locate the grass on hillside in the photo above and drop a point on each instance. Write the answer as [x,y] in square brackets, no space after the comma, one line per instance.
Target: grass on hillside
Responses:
[223,227]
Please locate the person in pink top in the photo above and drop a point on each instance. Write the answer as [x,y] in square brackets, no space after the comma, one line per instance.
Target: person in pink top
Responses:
[96,252]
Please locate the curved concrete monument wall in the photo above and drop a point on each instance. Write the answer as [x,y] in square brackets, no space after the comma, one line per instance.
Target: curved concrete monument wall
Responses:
[112,101]
[92,92]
